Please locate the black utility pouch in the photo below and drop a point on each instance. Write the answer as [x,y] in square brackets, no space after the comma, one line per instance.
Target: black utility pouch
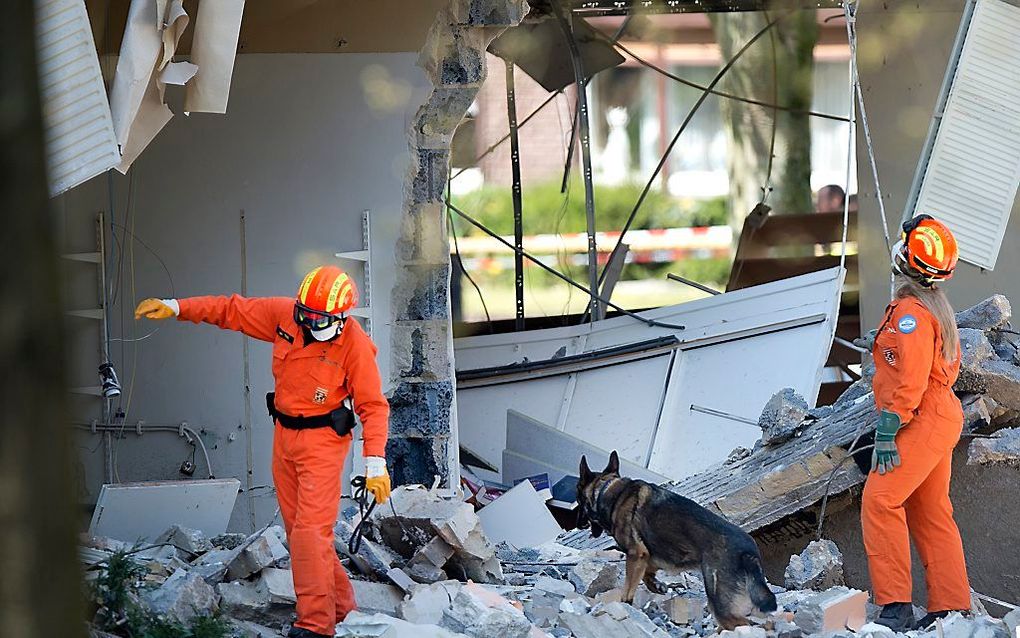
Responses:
[342,419]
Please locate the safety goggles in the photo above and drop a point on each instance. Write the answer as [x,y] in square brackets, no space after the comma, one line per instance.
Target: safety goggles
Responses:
[313,319]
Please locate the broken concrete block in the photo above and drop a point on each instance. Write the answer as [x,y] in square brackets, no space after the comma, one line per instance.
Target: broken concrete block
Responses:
[520,518]
[243,600]
[819,566]
[426,604]
[377,597]
[835,609]
[473,568]
[786,629]
[183,596]
[611,620]
[361,625]
[782,417]
[957,626]
[229,540]
[248,629]
[426,573]
[994,312]
[1012,620]
[737,454]
[279,584]
[262,552]
[749,631]
[977,411]
[591,576]
[371,559]
[418,509]
[554,586]
[475,614]
[436,551]
[400,578]
[189,540]
[1002,447]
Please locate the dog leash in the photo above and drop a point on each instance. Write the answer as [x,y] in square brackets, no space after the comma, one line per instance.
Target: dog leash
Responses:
[365,509]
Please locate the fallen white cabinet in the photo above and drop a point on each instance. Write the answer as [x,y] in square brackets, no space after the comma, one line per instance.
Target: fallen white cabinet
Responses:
[669,400]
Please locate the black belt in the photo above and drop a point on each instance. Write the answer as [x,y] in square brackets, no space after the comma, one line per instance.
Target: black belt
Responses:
[340,419]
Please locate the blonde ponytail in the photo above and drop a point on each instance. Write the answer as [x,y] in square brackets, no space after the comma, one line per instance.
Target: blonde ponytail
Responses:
[938,305]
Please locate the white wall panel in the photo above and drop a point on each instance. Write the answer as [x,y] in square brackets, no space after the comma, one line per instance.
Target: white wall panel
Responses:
[80,143]
[971,179]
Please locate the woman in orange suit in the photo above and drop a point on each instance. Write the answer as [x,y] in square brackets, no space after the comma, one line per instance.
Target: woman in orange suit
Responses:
[917,360]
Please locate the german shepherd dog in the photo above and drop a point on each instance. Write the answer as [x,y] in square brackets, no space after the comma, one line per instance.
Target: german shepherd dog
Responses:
[658,529]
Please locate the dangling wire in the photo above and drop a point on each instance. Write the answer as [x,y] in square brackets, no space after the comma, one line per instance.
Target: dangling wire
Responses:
[850,12]
[851,131]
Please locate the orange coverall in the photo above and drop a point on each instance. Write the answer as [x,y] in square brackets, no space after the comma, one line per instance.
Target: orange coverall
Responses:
[311,379]
[913,380]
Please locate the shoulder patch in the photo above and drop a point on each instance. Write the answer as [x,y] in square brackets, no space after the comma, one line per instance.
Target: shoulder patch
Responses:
[907,324]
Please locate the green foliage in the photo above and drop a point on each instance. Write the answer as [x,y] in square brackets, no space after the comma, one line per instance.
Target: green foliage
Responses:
[546,210]
[115,584]
[712,272]
[115,590]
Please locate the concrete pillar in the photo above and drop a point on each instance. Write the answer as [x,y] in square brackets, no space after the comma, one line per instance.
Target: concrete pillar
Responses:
[423,411]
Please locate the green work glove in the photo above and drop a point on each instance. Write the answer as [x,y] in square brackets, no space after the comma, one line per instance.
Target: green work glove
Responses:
[885,456]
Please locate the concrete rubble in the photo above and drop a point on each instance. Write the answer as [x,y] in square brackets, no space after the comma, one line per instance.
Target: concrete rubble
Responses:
[426,567]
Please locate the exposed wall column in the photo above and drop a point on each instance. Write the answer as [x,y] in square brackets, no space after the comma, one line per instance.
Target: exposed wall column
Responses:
[423,420]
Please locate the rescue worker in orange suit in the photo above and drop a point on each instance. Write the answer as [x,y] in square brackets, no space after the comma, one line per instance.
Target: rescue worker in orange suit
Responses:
[321,359]
[917,360]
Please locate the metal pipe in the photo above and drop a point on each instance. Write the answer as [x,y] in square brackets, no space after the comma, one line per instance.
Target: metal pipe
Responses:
[515,192]
[141,428]
[249,452]
[693,284]
[725,415]
[584,134]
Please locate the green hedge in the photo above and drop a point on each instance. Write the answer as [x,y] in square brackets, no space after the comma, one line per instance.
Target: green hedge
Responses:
[546,210]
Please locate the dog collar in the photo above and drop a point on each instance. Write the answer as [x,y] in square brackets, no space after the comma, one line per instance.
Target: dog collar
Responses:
[601,492]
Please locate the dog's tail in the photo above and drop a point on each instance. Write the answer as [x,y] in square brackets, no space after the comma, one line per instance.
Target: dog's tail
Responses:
[757,586]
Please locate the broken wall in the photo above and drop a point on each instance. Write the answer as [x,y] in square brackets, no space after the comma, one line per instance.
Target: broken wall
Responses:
[903,51]
[308,143]
[985,508]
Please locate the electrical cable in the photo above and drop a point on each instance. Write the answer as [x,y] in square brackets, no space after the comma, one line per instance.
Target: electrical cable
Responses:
[460,261]
[850,13]
[170,279]
[767,187]
[683,125]
[142,428]
[851,135]
[500,141]
[553,271]
[723,94]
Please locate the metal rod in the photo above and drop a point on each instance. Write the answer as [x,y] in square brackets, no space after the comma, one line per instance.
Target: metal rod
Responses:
[687,120]
[497,143]
[584,135]
[515,191]
[480,226]
[849,344]
[248,434]
[725,415]
[693,284]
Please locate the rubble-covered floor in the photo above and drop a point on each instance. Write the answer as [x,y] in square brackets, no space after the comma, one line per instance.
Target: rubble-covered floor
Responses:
[427,569]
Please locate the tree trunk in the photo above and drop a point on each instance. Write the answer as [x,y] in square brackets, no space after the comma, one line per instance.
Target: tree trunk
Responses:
[778,68]
[40,589]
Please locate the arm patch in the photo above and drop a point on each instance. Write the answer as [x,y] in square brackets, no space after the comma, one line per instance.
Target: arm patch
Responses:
[906,324]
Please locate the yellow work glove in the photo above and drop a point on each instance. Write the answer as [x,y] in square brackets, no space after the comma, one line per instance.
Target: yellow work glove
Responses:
[377,478]
[157,309]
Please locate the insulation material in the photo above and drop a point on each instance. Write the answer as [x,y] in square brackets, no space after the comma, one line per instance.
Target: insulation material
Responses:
[136,98]
[971,179]
[80,142]
[213,50]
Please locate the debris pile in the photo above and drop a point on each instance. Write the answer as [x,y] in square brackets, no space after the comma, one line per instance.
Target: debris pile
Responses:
[552,590]
[428,567]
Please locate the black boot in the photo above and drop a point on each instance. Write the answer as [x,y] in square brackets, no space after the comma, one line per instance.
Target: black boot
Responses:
[301,632]
[897,616]
[930,618]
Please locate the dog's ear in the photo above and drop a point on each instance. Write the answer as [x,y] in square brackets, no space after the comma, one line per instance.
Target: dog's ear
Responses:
[586,472]
[614,464]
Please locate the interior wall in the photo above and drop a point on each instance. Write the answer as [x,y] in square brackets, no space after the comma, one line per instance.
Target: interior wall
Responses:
[903,51]
[308,143]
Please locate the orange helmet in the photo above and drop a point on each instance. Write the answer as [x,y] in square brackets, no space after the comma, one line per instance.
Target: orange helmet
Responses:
[325,295]
[927,252]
